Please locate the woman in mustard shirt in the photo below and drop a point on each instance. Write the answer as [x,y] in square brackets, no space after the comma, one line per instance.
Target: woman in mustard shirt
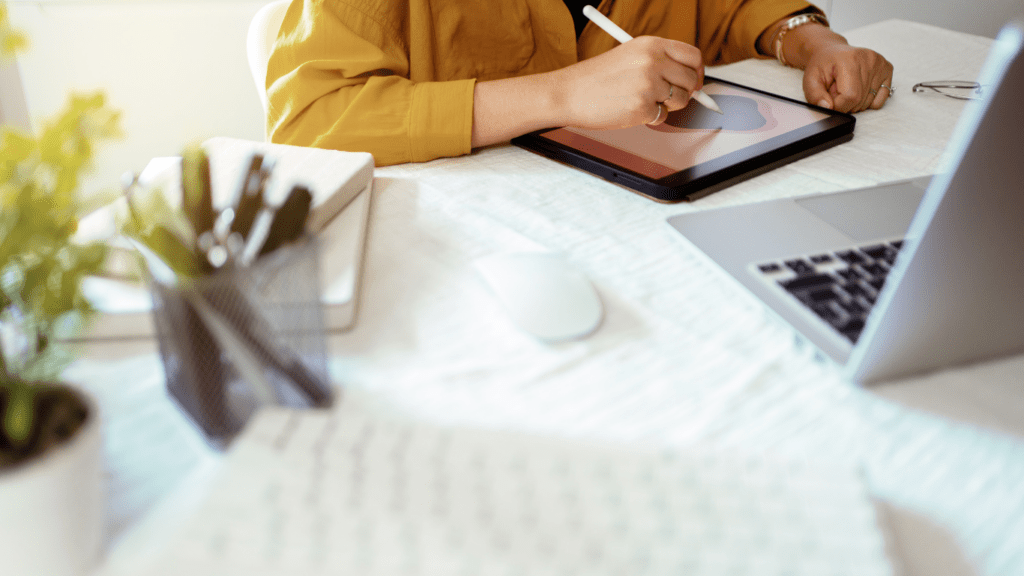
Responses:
[415,80]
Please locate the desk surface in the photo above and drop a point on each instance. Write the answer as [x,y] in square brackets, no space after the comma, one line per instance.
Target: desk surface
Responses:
[685,356]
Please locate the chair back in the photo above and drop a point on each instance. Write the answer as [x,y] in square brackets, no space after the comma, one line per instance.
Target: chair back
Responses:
[260,42]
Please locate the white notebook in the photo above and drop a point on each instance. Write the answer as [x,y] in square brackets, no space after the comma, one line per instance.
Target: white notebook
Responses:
[342,187]
[341,492]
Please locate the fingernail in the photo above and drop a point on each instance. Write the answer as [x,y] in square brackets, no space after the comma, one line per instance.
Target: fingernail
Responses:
[824,104]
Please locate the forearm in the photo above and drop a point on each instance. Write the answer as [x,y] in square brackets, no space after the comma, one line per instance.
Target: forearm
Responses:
[504,109]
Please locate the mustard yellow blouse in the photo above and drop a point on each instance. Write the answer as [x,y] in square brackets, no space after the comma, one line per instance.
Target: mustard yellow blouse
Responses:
[395,77]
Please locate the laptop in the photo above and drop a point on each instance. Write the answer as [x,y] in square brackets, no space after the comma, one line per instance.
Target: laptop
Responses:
[903,278]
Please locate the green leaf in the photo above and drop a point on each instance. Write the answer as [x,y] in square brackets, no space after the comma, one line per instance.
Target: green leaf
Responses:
[11,41]
[17,419]
[41,269]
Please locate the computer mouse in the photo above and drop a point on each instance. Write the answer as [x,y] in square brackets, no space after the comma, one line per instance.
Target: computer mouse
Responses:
[543,294]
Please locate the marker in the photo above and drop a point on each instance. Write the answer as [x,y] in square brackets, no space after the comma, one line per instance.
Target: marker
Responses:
[250,199]
[622,36]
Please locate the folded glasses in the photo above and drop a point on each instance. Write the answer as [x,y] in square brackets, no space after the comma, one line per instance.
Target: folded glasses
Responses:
[951,88]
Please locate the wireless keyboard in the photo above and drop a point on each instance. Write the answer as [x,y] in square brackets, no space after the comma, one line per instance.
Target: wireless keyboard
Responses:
[317,492]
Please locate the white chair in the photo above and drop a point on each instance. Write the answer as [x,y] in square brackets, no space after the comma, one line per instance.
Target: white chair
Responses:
[260,41]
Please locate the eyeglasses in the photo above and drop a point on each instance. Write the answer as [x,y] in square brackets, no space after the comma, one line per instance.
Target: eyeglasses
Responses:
[951,88]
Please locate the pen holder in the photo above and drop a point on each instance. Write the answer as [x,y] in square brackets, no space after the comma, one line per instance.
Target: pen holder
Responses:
[242,338]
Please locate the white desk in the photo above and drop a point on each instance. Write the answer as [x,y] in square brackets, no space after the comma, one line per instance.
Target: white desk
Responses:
[685,356]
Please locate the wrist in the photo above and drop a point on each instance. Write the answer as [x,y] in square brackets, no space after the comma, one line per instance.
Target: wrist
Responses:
[510,107]
[802,42]
[555,91]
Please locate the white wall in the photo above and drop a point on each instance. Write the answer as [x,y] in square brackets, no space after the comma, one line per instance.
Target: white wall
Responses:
[981,17]
[176,69]
[12,97]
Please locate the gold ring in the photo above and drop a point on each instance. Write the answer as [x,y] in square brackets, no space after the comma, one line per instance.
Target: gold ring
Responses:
[661,110]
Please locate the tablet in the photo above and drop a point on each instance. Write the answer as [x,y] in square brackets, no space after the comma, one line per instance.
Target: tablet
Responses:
[697,151]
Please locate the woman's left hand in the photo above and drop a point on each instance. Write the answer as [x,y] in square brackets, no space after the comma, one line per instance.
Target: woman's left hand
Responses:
[847,78]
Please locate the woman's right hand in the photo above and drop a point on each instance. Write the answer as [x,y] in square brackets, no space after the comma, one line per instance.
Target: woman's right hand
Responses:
[624,86]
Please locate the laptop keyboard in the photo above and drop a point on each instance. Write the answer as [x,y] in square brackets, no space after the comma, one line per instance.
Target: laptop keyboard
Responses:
[839,287]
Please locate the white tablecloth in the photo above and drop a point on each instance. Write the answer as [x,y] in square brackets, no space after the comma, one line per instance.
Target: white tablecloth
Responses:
[685,356]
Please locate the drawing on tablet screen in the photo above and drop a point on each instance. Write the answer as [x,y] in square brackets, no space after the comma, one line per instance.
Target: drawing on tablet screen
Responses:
[741,114]
[693,135]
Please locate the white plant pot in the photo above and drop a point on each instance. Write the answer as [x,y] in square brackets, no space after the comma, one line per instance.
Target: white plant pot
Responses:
[51,508]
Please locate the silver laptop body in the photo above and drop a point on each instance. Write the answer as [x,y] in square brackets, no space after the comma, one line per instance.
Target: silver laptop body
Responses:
[953,290]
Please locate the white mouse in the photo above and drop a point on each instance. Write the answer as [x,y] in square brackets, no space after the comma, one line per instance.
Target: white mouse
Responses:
[543,294]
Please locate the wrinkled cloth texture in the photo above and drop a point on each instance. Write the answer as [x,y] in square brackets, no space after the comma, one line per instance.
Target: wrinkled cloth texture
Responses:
[396,78]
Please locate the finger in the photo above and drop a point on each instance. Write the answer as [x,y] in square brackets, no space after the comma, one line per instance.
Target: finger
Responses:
[882,94]
[686,78]
[681,86]
[685,54]
[851,91]
[818,85]
[879,72]
[884,90]
[661,115]
[867,88]
[676,98]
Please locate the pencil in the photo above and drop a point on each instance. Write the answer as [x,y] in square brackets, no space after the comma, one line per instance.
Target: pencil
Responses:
[622,36]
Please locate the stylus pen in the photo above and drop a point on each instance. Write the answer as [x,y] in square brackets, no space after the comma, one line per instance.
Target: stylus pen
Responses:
[622,36]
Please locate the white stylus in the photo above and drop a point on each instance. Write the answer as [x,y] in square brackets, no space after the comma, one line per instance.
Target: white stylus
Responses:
[622,36]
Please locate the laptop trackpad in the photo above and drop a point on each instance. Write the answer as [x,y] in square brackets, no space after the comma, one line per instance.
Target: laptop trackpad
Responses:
[870,213]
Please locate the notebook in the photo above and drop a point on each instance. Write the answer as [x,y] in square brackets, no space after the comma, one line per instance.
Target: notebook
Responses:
[346,492]
[939,262]
[342,186]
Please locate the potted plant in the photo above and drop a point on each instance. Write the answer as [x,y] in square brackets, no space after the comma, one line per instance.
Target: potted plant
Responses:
[51,490]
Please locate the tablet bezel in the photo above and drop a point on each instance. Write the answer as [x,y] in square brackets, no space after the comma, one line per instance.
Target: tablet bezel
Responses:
[707,177]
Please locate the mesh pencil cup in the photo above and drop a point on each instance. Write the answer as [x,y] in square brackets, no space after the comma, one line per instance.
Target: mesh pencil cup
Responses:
[245,337]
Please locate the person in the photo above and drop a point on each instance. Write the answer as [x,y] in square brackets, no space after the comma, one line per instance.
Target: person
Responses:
[416,80]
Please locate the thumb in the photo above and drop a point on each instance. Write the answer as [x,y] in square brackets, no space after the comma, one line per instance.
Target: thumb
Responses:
[818,88]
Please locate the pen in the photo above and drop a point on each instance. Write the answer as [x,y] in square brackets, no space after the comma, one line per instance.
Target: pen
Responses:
[289,221]
[274,228]
[622,36]
[197,193]
[197,199]
[250,198]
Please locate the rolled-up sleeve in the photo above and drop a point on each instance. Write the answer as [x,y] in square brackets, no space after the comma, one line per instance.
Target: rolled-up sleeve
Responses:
[339,79]
[727,30]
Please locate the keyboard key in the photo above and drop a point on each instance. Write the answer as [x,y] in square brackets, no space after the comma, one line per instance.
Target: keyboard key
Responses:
[854,308]
[808,281]
[852,329]
[821,295]
[876,251]
[821,259]
[874,270]
[828,313]
[848,275]
[850,256]
[770,268]
[800,266]
[857,288]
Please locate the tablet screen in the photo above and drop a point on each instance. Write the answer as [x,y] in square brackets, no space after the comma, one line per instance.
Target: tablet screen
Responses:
[693,135]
